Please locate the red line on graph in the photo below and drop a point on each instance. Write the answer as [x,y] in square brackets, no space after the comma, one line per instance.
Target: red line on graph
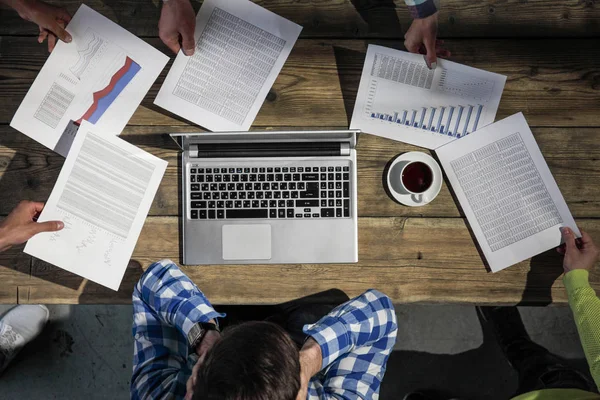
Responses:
[102,93]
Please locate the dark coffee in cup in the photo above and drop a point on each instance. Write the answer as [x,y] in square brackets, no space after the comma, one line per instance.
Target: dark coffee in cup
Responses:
[417,177]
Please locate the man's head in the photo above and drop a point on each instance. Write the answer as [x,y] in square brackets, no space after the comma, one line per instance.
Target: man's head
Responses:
[252,361]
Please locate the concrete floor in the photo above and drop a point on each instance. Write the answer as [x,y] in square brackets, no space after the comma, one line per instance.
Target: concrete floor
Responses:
[85,352]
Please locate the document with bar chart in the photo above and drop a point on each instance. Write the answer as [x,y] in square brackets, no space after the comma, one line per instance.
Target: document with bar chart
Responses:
[100,77]
[401,99]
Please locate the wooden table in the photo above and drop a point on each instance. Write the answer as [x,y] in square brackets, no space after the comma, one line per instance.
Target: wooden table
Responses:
[549,50]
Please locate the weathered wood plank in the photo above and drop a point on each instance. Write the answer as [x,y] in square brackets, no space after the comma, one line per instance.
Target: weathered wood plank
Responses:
[28,170]
[410,259]
[554,82]
[362,18]
[14,272]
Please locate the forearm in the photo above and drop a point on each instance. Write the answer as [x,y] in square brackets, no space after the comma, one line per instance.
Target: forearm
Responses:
[585,306]
[173,297]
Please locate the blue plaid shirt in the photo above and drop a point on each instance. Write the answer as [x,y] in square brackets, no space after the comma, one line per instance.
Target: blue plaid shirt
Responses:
[356,339]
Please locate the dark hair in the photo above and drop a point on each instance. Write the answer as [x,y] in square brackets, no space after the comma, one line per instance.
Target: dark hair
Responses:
[252,361]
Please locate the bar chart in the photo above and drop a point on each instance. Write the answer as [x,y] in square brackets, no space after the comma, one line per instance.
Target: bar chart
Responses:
[455,121]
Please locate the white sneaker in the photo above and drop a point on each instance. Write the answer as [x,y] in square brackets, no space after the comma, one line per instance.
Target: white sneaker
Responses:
[19,326]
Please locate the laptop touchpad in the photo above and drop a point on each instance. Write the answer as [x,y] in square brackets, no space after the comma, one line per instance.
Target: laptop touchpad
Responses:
[246,242]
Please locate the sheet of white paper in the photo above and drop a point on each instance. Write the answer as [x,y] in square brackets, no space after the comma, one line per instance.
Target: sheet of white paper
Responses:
[103,194]
[401,99]
[240,49]
[507,192]
[101,76]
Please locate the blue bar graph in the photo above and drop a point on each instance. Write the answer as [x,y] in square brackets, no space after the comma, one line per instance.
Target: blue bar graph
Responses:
[449,119]
[467,121]
[460,111]
[479,109]
[439,124]
[445,122]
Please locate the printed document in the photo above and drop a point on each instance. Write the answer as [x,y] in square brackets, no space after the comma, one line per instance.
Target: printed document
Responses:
[507,192]
[100,77]
[103,195]
[240,49]
[401,99]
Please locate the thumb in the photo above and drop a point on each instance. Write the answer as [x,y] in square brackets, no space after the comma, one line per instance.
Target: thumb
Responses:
[430,57]
[569,239]
[187,41]
[48,226]
[60,32]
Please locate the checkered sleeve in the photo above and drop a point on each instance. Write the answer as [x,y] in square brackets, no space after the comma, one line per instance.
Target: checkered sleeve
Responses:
[166,304]
[356,339]
[422,8]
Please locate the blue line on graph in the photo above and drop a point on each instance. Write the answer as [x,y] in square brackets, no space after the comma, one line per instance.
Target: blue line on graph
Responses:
[404,117]
[479,109]
[422,117]
[412,120]
[395,117]
[468,119]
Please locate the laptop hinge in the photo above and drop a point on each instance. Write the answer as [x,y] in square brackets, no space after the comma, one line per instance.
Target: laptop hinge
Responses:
[252,149]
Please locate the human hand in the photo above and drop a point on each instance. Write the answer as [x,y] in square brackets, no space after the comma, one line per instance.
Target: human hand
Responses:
[21,225]
[421,38]
[50,19]
[579,253]
[177,20]
[311,359]
[207,343]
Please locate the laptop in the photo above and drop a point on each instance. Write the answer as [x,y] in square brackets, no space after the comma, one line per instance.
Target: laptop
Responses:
[269,197]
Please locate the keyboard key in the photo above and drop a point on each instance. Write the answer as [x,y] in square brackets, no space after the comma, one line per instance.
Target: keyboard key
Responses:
[330,177]
[242,195]
[307,203]
[290,213]
[209,170]
[283,186]
[194,214]
[203,214]
[323,203]
[306,215]
[195,186]
[214,186]
[216,196]
[272,213]
[250,195]
[292,186]
[220,214]
[338,212]
[209,178]
[262,177]
[276,195]
[225,195]
[323,194]
[231,170]
[294,195]
[220,204]
[346,189]
[346,176]
[300,169]
[193,178]
[260,195]
[218,178]
[211,214]
[323,169]
[287,177]
[212,204]
[274,186]
[298,215]
[200,170]
[301,186]
[296,177]
[244,178]
[315,215]
[327,212]
[331,193]
[270,177]
[193,171]
[338,203]
[253,178]
[222,187]
[238,204]
[239,187]
[231,186]
[229,204]
[310,195]
[292,169]
[248,186]
[195,196]
[235,178]
[281,203]
[269,169]
[200,178]
[272,203]
[285,195]
[312,186]
[206,195]
[330,203]
[346,168]
[330,185]
[246,170]
[338,177]
[323,177]
[254,170]
[226,178]
[247,203]
[338,169]
[310,177]
[268,195]
[264,203]
[330,169]
[346,208]
[307,210]
[338,194]
[256,186]
[262,170]
[281,212]
[246,213]
[338,185]
[290,203]
[233,195]
[238,170]
[277,169]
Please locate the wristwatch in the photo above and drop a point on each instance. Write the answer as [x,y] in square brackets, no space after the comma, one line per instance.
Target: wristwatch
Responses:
[196,334]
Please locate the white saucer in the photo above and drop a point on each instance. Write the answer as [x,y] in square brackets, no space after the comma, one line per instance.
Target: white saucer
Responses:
[417,200]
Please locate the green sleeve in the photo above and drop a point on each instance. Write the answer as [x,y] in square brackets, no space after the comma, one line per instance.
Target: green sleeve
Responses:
[586,312]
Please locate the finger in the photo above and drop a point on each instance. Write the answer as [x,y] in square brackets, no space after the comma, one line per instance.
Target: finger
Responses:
[48,226]
[51,42]
[585,237]
[443,53]
[430,57]
[560,250]
[43,35]
[569,238]
[187,40]
[63,14]
[411,46]
[172,43]
[36,207]
[60,32]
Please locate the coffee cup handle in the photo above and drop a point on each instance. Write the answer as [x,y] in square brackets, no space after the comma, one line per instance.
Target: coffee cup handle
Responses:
[417,198]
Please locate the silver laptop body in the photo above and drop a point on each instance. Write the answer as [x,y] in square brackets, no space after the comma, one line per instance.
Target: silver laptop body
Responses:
[269,197]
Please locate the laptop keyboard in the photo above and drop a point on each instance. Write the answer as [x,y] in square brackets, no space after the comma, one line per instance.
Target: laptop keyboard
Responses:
[291,192]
